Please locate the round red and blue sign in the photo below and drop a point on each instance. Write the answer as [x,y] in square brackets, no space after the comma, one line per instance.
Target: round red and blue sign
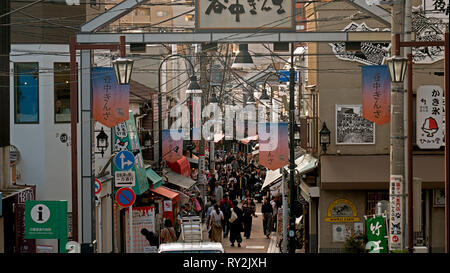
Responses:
[98,186]
[125,197]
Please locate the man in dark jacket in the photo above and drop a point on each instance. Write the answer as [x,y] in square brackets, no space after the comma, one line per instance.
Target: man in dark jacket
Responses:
[236,225]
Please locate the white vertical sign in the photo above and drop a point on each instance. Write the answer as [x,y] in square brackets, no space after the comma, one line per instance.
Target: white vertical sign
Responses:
[430,117]
[396,208]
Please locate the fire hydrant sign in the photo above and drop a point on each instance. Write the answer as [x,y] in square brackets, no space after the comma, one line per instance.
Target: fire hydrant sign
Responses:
[430,116]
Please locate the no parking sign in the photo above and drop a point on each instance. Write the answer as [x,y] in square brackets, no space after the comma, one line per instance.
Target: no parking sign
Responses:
[125,197]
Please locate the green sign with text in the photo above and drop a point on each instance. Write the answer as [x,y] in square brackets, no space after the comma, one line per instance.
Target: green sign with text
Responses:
[376,235]
[46,220]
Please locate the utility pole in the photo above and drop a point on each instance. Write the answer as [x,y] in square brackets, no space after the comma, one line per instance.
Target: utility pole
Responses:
[397,149]
[293,192]
[204,100]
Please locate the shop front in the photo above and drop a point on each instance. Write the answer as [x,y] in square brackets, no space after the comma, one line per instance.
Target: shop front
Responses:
[352,187]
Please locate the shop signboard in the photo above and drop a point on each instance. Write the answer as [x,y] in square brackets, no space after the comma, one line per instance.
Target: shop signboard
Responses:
[396,208]
[243,15]
[143,218]
[430,117]
[46,220]
[129,155]
[342,210]
[376,235]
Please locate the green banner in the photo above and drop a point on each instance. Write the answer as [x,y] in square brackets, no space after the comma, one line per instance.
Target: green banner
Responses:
[46,220]
[127,139]
[376,235]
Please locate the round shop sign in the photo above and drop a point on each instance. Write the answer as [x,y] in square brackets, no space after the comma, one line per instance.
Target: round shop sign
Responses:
[40,213]
[395,238]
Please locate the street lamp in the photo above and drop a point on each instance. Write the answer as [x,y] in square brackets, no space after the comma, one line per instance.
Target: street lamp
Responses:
[265,97]
[193,88]
[243,59]
[102,141]
[147,140]
[324,137]
[123,68]
[251,99]
[397,68]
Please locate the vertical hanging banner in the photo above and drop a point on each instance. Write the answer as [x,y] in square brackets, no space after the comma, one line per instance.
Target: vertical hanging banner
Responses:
[376,93]
[430,117]
[396,215]
[172,145]
[273,145]
[110,101]
[126,139]
[376,235]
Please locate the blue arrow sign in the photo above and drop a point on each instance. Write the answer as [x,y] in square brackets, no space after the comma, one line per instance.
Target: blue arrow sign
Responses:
[124,160]
[283,76]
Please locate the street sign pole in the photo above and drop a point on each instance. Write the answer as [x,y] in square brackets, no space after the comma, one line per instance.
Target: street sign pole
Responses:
[130,212]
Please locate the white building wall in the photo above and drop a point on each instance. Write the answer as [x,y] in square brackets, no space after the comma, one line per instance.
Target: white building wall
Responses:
[45,161]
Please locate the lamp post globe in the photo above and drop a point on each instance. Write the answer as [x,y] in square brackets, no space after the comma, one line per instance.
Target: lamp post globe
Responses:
[123,68]
[397,68]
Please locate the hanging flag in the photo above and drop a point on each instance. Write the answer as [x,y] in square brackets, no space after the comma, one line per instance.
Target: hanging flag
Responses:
[273,145]
[376,235]
[172,145]
[110,101]
[376,87]
[127,139]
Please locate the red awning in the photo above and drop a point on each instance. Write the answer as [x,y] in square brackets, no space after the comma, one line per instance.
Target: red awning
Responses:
[248,139]
[181,166]
[165,192]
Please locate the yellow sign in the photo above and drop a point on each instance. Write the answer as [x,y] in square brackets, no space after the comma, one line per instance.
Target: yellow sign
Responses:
[342,210]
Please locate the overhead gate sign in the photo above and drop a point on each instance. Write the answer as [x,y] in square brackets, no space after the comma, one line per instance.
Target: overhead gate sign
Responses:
[264,15]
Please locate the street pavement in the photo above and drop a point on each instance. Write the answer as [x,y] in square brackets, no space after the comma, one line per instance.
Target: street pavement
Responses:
[258,243]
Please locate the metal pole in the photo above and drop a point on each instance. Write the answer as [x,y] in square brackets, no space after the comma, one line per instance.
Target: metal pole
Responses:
[99,236]
[130,213]
[285,215]
[410,156]
[293,192]
[73,133]
[447,143]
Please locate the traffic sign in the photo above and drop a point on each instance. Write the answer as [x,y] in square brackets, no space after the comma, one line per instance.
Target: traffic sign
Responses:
[124,160]
[98,186]
[125,179]
[125,197]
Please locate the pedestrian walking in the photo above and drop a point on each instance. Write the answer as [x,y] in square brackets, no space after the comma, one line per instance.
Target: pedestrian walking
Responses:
[225,206]
[168,234]
[215,220]
[212,202]
[267,212]
[218,192]
[249,209]
[236,227]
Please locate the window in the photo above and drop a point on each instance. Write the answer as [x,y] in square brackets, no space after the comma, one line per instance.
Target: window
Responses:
[373,197]
[61,83]
[26,92]
[162,13]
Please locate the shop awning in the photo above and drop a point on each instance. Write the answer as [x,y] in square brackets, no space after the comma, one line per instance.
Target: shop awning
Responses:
[181,166]
[179,180]
[248,139]
[271,178]
[165,192]
[372,172]
[153,177]
[305,163]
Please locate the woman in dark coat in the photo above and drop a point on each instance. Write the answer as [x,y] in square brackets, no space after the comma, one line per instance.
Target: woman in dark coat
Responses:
[249,209]
[236,226]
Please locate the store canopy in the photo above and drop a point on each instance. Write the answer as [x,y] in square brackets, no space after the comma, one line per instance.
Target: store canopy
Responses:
[153,177]
[181,166]
[165,192]
[272,177]
[179,180]
[305,163]
[248,139]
